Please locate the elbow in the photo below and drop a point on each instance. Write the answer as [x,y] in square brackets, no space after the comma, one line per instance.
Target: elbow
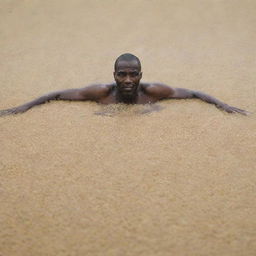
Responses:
[51,96]
[197,94]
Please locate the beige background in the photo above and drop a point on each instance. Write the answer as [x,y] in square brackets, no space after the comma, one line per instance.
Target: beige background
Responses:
[180,181]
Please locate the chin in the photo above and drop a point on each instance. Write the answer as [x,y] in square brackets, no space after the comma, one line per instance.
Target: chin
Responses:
[128,94]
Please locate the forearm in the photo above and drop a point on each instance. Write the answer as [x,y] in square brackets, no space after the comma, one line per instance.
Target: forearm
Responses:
[28,105]
[207,98]
[182,93]
[70,94]
[43,99]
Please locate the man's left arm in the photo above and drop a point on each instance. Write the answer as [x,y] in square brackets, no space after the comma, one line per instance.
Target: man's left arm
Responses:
[167,92]
[180,93]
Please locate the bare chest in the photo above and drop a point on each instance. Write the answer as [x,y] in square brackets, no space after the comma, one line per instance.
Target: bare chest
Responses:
[142,98]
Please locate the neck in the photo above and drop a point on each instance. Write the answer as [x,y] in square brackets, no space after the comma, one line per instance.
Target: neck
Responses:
[127,99]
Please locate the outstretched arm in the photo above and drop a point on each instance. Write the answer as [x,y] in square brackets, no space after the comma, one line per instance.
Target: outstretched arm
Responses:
[88,93]
[180,93]
[162,91]
[72,94]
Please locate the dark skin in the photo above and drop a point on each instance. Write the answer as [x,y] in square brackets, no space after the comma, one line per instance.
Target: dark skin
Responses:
[126,89]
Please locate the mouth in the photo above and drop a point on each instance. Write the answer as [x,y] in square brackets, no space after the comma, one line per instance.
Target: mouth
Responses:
[128,89]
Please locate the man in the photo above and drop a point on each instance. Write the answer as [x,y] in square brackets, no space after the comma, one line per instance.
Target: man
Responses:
[126,89]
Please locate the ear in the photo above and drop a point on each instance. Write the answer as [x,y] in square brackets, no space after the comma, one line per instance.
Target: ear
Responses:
[141,75]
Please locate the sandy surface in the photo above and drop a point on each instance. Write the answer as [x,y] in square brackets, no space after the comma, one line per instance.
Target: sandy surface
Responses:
[180,181]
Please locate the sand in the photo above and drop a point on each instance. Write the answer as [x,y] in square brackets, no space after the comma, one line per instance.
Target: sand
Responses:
[180,181]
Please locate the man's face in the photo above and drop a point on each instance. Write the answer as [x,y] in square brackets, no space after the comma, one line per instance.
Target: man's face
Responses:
[127,76]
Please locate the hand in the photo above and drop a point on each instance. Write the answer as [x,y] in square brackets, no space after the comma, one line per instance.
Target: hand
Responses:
[231,109]
[15,110]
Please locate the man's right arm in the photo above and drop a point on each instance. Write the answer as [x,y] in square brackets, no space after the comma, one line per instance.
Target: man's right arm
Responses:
[93,92]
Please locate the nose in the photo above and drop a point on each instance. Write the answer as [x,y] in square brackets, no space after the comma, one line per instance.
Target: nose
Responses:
[127,80]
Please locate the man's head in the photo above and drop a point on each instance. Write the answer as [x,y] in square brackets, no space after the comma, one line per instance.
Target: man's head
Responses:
[127,57]
[127,74]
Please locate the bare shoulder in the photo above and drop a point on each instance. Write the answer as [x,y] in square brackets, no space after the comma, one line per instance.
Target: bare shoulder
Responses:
[96,91]
[158,90]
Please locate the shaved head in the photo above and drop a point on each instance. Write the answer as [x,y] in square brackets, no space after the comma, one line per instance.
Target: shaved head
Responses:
[127,57]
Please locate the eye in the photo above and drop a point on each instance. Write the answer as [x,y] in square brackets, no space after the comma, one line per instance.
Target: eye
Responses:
[121,74]
[134,74]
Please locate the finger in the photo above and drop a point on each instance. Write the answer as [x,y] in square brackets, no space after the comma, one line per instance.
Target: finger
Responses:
[5,112]
[8,112]
[241,111]
[237,109]
[229,110]
[246,112]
